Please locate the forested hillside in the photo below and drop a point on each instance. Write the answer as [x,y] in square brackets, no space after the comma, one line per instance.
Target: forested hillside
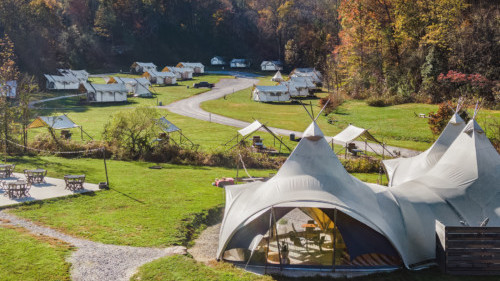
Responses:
[390,51]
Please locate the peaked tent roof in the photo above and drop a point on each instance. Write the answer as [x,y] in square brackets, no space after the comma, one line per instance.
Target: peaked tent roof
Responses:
[62,79]
[167,126]
[270,89]
[255,126]
[277,77]
[55,122]
[400,170]
[190,64]
[351,133]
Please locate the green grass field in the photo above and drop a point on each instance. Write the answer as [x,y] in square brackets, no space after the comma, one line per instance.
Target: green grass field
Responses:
[26,257]
[394,125]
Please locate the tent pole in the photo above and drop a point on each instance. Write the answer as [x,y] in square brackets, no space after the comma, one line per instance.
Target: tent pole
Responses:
[345,153]
[334,237]
[277,237]
[268,239]
[383,150]
[81,132]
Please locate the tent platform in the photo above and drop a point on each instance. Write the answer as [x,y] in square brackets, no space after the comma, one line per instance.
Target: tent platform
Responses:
[52,188]
[301,271]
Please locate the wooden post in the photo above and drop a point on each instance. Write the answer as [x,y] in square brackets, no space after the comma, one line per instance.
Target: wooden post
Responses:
[345,153]
[365,146]
[383,150]
[105,166]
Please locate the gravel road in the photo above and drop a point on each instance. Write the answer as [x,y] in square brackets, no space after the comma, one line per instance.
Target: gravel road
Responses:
[96,261]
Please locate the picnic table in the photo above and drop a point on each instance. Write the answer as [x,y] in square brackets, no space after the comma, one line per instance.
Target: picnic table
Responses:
[35,176]
[74,182]
[6,170]
[16,189]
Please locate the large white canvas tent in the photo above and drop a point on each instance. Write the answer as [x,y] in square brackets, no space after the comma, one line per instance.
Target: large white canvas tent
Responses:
[218,61]
[161,78]
[384,223]
[181,73]
[304,82]
[277,93]
[97,93]
[141,67]
[137,86]
[274,65]
[197,67]
[277,77]
[9,89]
[312,73]
[81,75]
[296,88]
[59,82]
[400,170]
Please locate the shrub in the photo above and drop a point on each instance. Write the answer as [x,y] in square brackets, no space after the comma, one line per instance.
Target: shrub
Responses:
[438,121]
[334,101]
[361,165]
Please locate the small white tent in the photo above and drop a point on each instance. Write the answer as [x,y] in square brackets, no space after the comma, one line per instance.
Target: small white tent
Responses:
[81,75]
[181,73]
[197,67]
[312,73]
[277,93]
[218,61]
[137,86]
[239,63]
[161,78]
[9,89]
[277,77]
[58,82]
[273,65]
[141,67]
[400,170]
[97,93]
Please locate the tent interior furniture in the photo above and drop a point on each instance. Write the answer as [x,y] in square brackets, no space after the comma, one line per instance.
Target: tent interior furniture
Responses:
[6,170]
[74,182]
[168,128]
[249,130]
[61,122]
[35,175]
[351,133]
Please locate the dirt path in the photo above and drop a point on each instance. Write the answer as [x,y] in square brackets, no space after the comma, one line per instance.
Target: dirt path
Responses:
[94,261]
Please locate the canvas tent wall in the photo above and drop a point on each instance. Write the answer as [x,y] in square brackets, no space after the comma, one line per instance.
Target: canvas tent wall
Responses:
[239,63]
[218,61]
[277,93]
[97,93]
[313,177]
[197,67]
[58,82]
[81,75]
[277,77]
[141,67]
[400,170]
[296,88]
[180,73]
[139,87]
[312,73]
[274,65]
[161,78]
[304,82]
[9,89]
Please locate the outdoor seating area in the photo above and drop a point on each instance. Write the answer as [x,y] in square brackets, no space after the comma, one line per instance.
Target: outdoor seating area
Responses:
[33,184]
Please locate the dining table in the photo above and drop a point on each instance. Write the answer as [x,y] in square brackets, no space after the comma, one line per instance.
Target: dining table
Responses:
[35,175]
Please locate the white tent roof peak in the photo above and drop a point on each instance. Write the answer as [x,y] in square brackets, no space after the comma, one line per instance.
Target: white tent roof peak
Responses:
[256,125]
[313,132]
[455,119]
[473,126]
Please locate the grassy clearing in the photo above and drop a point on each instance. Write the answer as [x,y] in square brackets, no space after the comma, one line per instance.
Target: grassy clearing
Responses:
[187,269]
[25,257]
[395,125]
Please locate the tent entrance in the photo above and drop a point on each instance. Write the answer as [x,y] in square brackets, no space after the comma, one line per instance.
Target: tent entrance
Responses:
[310,237]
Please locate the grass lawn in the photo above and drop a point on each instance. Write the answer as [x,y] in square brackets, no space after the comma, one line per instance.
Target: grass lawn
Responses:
[25,257]
[395,125]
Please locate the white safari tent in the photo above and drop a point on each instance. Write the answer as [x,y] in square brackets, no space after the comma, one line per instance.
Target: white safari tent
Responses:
[59,82]
[277,77]
[239,63]
[139,87]
[9,89]
[273,65]
[81,75]
[197,67]
[181,73]
[313,215]
[303,83]
[311,73]
[400,170]
[277,93]
[97,93]
[141,67]
[160,78]
[296,88]
[218,61]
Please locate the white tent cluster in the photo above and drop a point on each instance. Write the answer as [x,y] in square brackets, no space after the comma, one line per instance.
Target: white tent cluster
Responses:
[99,93]
[368,224]
[139,87]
